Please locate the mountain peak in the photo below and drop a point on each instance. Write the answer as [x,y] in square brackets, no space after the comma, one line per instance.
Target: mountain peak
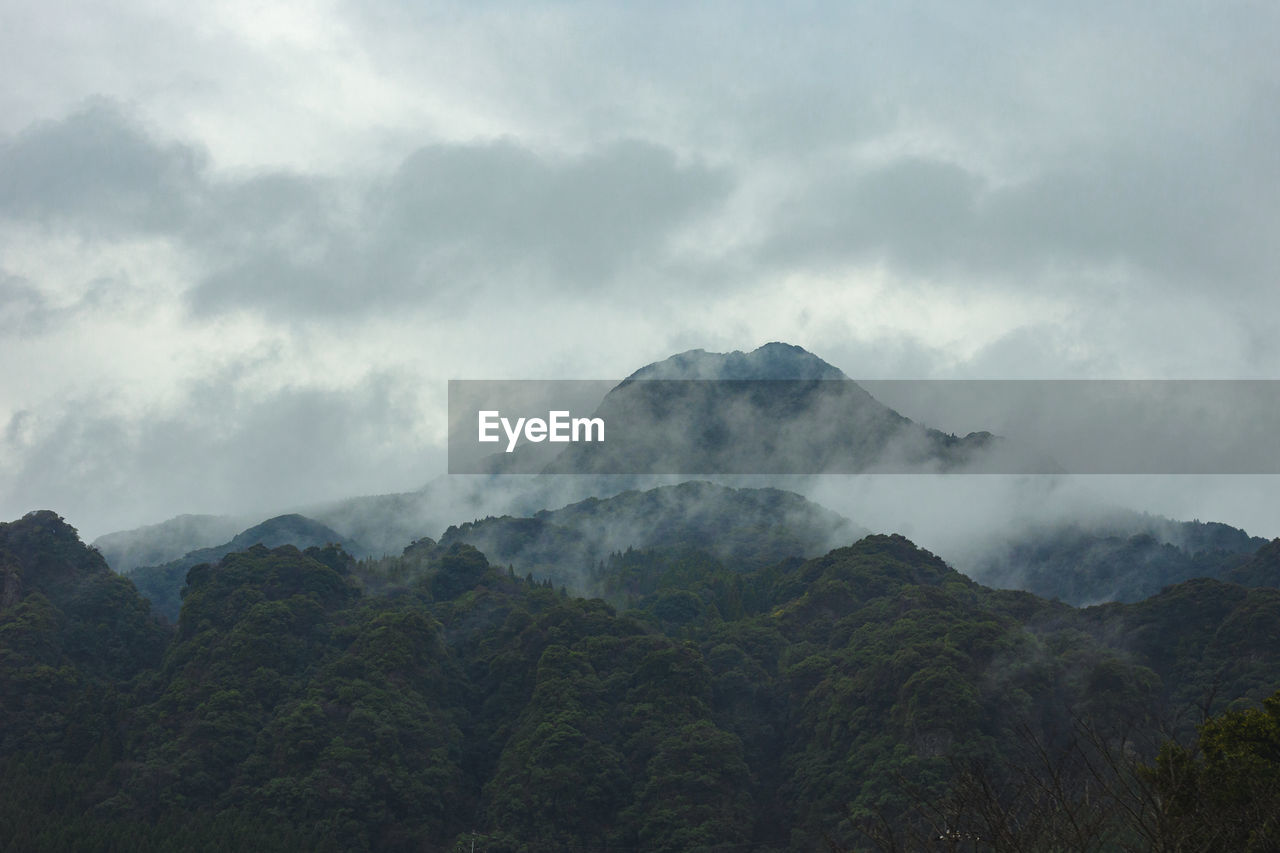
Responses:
[288,529]
[774,360]
[41,551]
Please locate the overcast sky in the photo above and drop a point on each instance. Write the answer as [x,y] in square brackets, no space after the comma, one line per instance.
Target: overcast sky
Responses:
[243,245]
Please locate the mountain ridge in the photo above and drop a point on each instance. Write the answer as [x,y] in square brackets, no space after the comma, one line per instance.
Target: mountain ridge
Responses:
[778,409]
[746,527]
[163,583]
[791,707]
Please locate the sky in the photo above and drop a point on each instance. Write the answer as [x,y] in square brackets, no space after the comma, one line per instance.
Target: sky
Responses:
[243,246]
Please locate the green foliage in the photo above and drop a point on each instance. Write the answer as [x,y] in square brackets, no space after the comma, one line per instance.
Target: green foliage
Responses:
[1223,794]
[1130,560]
[305,701]
[460,569]
[163,583]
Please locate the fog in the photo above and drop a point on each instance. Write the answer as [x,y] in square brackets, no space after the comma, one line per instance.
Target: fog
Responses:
[242,255]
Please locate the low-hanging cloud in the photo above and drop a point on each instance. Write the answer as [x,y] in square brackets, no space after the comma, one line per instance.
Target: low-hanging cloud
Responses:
[221,449]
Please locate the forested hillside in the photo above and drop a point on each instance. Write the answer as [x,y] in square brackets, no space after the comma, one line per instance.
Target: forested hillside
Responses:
[162,584]
[748,528]
[868,697]
[1124,557]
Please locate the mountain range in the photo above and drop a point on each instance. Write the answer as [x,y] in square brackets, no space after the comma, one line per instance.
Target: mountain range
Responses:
[163,583]
[629,662]
[745,528]
[306,700]
[1123,556]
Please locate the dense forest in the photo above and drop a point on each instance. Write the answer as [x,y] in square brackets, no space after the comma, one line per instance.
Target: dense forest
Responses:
[870,698]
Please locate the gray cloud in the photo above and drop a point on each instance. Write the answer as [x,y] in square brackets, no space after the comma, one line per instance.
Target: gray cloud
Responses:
[1038,192]
[26,311]
[1163,214]
[451,217]
[460,216]
[23,308]
[913,211]
[493,215]
[221,450]
[99,171]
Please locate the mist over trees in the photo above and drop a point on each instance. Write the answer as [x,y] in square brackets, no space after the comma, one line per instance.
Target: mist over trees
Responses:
[865,698]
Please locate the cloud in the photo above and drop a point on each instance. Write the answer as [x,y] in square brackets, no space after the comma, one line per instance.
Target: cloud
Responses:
[459,217]
[223,447]
[1162,215]
[576,189]
[451,217]
[912,212]
[98,171]
[23,308]
[27,311]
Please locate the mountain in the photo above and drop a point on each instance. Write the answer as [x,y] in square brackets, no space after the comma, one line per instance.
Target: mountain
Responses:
[72,632]
[1124,557]
[745,528]
[772,361]
[159,543]
[864,696]
[385,524]
[776,410]
[818,395]
[1262,569]
[368,525]
[812,418]
[163,583]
